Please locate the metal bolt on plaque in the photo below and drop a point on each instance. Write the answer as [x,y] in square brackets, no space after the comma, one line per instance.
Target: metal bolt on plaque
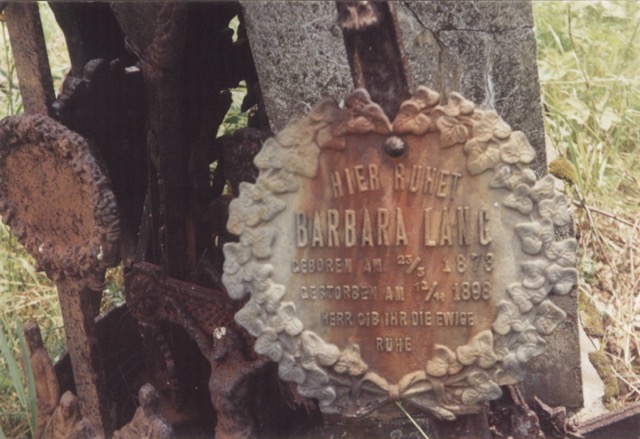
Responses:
[407,260]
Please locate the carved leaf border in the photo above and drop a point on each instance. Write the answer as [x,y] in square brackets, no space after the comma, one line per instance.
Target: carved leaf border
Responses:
[451,383]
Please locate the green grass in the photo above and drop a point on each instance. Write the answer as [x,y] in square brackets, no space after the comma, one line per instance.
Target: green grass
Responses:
[24,292]
[19,382]
[234,118]
[588,58]
[56,46]
[11,101]
[588,53]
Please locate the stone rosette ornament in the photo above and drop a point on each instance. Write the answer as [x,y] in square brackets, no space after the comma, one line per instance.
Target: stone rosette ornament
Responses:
[407,260]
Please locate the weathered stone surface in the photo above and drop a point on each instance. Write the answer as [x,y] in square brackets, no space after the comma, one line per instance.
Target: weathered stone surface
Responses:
[485,50]
[419,272]
[473,16]
[556,375]
[299,55]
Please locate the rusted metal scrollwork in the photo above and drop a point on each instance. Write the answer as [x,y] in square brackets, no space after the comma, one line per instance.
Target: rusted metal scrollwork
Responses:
[47,386]
[63,211]
[152,297]
[207,315]
[30,55]
[147,422]
[375,52]
[150,99]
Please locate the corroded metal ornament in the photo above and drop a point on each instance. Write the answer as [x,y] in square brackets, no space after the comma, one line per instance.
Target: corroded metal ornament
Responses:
[59,205]
[56,199]
[406,260]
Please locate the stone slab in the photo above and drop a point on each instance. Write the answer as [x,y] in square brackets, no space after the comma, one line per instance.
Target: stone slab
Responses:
[406,260]
[485,50]
[299,55]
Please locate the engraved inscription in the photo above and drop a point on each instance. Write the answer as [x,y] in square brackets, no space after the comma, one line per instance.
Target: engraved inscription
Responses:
[393,344]
[360,178]
[338,292]
[423,275]
[454,318]
[440,256]
[329,265]
[387,227]
[426,180]
[336,318]
[471,291]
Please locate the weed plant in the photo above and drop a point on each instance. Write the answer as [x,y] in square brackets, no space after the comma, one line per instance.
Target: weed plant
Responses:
[588,58]
[24,292]
[19,379]
[588,53]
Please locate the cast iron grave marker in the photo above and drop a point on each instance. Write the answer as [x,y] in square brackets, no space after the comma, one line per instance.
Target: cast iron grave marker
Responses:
[60,206]
[399,260]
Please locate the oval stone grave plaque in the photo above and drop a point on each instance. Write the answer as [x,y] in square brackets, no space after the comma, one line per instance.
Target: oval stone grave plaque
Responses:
[399,260]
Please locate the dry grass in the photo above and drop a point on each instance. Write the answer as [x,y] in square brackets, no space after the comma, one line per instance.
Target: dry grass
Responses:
[588,58]
[610,262]
[24,294]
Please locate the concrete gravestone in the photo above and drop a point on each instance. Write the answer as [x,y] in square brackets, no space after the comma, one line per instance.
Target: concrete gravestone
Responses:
[409,259]
[484,50]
